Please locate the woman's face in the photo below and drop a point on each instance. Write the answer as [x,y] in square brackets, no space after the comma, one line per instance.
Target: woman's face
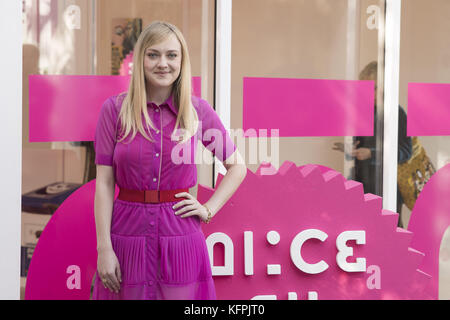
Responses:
[162,63]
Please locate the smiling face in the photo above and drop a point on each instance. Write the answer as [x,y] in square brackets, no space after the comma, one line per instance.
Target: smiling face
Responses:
[162,63]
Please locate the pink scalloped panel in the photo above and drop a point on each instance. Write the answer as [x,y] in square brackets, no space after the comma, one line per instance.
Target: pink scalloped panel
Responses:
[279,210]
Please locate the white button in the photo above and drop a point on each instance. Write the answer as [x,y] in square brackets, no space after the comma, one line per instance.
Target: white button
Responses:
[157,131]
[157,154]
[154,179]
[157,110]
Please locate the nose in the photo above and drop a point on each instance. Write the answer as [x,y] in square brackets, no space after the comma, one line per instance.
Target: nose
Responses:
[162,62]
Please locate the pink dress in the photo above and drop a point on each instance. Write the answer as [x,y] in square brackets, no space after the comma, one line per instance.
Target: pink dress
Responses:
[161,255]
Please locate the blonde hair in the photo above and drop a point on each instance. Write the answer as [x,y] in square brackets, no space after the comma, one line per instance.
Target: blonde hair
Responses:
[369,72]
[134,104]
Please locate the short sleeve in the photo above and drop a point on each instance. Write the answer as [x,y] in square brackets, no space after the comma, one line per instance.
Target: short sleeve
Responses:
[105,134]
[214,137]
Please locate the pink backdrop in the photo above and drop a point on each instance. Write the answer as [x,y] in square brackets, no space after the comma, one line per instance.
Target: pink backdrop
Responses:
[54,99]
[290,201]
[309,107]
[308,197]
[428,109]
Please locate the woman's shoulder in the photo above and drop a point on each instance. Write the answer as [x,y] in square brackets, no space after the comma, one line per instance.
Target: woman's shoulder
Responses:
[114,102]
[199,104]
[195,101]
[118,98]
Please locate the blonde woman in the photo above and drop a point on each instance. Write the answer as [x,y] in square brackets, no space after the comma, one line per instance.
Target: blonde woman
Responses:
[149,240]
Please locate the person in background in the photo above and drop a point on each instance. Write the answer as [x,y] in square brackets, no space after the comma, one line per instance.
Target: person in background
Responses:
[364,147]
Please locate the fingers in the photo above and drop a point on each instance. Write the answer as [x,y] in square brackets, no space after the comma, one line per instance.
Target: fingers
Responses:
[106,283]
[191,205]
[184,194]
[185,209]
[362,153]
[183,203]
[111,282]
[191,213]
[118,274]
[191,209]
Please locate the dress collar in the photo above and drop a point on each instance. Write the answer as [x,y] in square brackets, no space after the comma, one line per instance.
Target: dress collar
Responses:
[169,101]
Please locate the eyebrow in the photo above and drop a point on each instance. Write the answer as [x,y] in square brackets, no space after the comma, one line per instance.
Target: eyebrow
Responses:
[158,51]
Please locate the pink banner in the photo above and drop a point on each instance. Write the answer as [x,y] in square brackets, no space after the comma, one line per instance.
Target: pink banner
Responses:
[428,109]
[289,242]
[66,108]
[309,107]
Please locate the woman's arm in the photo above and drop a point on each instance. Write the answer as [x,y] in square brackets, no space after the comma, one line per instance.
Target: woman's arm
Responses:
[236,172]
[107,264]
[104,197]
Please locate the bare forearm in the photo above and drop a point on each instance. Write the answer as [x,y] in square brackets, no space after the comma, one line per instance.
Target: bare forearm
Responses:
[104,197]
[229,184]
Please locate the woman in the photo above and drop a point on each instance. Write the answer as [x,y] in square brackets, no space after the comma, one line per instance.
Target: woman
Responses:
[149,240]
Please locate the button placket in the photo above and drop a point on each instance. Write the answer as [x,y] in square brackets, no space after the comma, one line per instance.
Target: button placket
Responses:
[161,148]
[152,249]
[156,174]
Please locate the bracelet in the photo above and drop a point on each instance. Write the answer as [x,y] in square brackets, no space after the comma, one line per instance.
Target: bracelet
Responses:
[208,219]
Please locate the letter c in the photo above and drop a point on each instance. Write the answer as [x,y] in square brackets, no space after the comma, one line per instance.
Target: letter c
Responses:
[296,255]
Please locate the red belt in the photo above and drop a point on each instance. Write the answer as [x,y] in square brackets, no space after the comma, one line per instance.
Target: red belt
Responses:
[152,196]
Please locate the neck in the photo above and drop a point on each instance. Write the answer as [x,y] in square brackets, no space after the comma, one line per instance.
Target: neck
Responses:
[158,95]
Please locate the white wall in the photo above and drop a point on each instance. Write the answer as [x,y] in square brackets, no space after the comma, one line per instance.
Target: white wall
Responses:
[11,147]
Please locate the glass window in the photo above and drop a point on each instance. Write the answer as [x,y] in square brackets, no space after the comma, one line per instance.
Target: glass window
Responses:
[424,87]
[319,46]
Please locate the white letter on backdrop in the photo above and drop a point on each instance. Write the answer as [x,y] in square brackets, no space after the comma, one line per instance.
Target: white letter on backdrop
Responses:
[344,251]
[296,255]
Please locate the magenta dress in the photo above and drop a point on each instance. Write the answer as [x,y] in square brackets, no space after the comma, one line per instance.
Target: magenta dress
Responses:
[161,255]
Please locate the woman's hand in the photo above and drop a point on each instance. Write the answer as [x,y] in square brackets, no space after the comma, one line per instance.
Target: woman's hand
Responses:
[109,269]
[191,206]
[362,153]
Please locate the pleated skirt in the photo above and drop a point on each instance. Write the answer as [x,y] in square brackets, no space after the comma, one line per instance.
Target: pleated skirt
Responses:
[162,256]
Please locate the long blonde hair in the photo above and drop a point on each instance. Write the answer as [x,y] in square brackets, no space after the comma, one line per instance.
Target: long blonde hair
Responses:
[134,104]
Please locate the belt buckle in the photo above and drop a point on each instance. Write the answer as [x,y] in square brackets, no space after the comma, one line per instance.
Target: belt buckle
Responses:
[151,196]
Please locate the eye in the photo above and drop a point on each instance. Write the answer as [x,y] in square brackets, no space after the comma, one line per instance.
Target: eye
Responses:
[151,54]
[172,55]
